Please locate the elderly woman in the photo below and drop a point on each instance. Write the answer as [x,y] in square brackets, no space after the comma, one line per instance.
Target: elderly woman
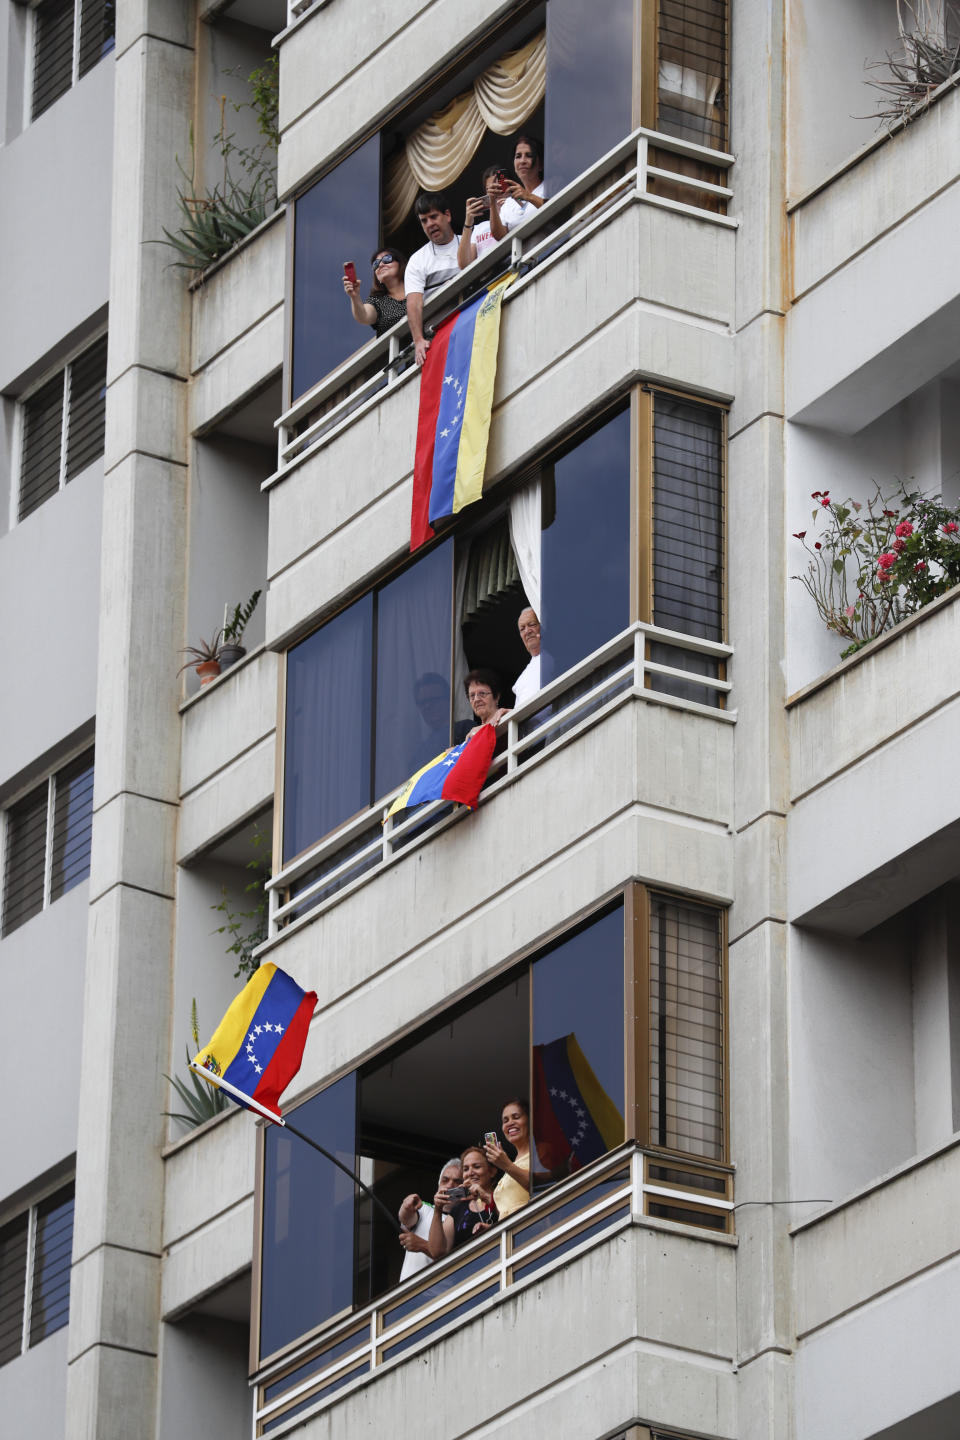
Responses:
[483,690]
[471,1213]
[387,301]
[416,1216]
[513,1190]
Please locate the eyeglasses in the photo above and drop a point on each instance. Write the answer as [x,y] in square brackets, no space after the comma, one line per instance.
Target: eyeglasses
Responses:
[480,695]
[383,260]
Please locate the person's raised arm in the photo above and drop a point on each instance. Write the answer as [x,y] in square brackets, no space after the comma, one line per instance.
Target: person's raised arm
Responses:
[363,312]
[440,1238]
[495,195]
[467,251]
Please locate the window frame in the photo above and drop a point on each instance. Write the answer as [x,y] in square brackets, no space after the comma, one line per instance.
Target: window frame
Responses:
[76,74]
[63,370]
[639,399]
[58,1187]
[634,897]
[50,837]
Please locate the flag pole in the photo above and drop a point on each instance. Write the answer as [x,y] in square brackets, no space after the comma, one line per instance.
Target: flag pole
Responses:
[346,1170]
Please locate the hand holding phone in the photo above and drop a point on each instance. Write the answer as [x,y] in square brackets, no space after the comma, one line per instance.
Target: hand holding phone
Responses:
[350,271]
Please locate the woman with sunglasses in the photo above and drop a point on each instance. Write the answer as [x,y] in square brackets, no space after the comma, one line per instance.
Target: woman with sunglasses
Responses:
[387,301]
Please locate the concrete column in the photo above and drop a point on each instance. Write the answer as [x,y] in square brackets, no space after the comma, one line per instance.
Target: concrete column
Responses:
[758,942]
[114,1319]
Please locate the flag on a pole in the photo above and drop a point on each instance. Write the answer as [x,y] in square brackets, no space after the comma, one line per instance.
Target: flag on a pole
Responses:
[456,398]
[457,774]
[257,1047]
[574,1119]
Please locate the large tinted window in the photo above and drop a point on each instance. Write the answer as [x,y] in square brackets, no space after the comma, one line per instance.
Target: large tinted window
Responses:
[589,96]
[308,1227]
[337,219]
[578,1047]
[327,742]
[585,548]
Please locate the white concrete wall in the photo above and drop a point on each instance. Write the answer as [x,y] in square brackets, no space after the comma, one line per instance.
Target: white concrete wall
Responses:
[50,581]
[45,957]
[830,102]
[55,224]
[33,1389]
[203,1379]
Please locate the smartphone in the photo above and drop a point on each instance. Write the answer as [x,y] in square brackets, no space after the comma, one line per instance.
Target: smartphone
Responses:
[350,271]
[490,1137]
[501,178]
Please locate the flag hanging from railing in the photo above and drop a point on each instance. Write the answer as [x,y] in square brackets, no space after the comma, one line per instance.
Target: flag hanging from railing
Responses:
[257,1047]
[456,397]
[457,774]
[574,1119]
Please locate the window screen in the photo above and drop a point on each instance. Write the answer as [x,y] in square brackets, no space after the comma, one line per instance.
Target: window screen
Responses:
[48,458]
[87,420]
[97,29]
[686,1028]
[72,826]
[42,438]
[692,54]
[50,1292]
[13,1270]
[52,54]
[687,517]
[25,857]
[28,857]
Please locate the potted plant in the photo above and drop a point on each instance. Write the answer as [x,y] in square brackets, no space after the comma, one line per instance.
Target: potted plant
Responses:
[230,649]
[205,658]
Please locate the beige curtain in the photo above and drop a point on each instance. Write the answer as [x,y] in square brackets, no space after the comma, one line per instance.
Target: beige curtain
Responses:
[440,149]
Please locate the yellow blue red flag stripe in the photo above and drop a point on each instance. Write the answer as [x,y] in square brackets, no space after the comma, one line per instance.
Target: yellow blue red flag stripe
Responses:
[457,774]
[257,1047]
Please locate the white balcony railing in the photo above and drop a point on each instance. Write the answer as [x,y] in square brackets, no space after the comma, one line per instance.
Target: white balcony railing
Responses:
[628,1186]
[619,179]
[576,700]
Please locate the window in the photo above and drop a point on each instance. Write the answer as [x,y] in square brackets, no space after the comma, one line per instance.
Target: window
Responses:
[69,37]
[62,427]
[35,1273]
[580,80]
[621,522]
[593,1082]
[47,842]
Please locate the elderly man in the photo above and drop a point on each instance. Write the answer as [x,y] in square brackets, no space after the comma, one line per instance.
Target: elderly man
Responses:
[527,682]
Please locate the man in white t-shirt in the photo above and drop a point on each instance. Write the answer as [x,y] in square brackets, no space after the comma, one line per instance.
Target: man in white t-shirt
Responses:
[431,266]
[527,683]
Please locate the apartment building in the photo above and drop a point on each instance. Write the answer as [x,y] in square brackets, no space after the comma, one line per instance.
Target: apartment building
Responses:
[711,877]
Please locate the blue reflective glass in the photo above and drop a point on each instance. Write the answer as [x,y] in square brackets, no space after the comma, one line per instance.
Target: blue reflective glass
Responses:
[337,219]
[306,1271]
[589,97]
[413,668]
[585,548]
[326,776]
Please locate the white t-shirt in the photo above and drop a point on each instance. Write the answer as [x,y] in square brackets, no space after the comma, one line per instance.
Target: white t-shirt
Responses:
[513,211]
[415,1260]
[482,237]
[431,266]
[527,683]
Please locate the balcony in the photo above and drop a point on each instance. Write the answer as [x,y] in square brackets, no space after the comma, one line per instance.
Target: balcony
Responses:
[877,226]
[651,1234]
[877,1286]
[584,697]
[887,713]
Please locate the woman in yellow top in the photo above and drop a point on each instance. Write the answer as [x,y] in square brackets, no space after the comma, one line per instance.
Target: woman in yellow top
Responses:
[513,1191]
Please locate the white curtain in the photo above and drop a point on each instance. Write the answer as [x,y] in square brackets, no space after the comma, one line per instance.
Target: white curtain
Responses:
[440,149]
[525,539]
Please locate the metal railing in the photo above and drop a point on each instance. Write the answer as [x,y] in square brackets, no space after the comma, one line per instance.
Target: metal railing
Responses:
[580,698]
[619,179]
[629,1186]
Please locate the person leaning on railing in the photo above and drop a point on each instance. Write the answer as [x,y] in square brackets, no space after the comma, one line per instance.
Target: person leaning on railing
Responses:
[432,265]
[472,1211]
[526,193]
[416,1216]
[387,301]
[513,1189]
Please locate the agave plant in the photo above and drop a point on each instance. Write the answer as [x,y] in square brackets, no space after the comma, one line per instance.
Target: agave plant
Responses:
[203,1101]
[927,59]
[199,654]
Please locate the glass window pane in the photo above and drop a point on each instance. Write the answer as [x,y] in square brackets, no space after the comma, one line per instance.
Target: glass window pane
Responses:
[26,845]
[98,24]
[686,1028]
[13,1278]
[337,219]
[88,408]
[72,825]
[40,456]
[50,1302]
[578,1090]
[327,737]
[585,549]
[589,100]
[692,63]
[308,1207]
[53,54]
[413,668]
[687,517]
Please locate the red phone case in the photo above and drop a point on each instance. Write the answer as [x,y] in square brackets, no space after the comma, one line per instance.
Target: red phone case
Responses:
[350,270]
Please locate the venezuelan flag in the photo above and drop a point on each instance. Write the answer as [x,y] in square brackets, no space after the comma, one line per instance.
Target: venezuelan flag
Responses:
[257,1047]
[456,398]
[457,774]
[574,1119]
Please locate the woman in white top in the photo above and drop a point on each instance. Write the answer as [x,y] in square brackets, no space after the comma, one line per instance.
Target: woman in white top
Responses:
[525,194]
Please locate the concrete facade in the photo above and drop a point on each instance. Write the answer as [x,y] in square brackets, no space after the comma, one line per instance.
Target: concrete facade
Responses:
[819,810]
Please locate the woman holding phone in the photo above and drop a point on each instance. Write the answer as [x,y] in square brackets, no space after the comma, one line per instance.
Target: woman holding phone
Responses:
[525,194]
[470,1204]
[387,301]
[476,235]
[513,1191]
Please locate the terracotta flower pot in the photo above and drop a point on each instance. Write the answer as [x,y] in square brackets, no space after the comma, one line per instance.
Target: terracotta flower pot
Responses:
[208,670]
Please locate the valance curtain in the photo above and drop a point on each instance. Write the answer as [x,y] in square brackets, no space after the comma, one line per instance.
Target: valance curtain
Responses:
[500,99]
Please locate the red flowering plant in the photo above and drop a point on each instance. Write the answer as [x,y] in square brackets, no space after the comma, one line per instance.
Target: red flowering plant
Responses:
[873,563]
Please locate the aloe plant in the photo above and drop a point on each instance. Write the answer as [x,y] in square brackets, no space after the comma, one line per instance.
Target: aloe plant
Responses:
[202,1101]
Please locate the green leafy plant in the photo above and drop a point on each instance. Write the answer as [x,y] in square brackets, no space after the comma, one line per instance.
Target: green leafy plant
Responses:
[237,623]
[927,58]
[877,562]
[248,928]
[202,1101]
